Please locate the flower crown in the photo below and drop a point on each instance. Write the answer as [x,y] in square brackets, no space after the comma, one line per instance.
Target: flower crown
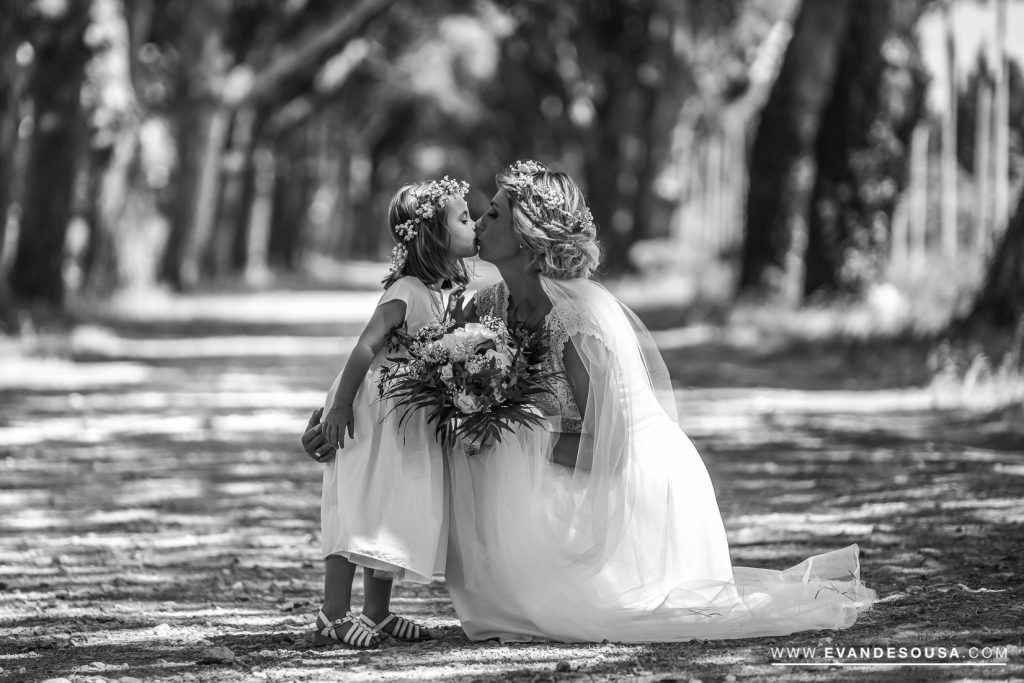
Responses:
[523,186]
[431,198]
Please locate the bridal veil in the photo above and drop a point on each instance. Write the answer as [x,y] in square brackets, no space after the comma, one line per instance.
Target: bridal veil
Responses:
[629,544]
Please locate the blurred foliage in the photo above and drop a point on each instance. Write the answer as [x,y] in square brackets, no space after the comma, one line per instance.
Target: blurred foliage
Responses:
[233,139]
[862,148]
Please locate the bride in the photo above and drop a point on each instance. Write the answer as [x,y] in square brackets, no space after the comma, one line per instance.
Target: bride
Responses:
[604,526]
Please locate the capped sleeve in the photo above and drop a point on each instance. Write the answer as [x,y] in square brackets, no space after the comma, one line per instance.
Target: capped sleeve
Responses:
[492,300]
[405,290]
[566,321]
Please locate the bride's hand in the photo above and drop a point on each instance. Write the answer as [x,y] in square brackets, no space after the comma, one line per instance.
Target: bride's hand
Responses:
[313,440]
[473,446]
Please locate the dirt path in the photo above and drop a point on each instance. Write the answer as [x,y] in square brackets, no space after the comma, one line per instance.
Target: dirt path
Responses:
[154,502]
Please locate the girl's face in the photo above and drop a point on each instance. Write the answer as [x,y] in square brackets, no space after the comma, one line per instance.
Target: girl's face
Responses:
[494,232]
[461,235]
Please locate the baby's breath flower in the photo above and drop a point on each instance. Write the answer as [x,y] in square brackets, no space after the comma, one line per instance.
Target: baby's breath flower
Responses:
[406,230]
[397,259]
[493,323]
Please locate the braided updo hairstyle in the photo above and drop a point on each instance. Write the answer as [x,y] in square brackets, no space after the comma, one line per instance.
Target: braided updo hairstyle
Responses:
[550,215]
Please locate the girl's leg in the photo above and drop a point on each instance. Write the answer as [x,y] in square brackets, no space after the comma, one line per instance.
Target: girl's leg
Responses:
[338,575]
[377,608]
[377,596]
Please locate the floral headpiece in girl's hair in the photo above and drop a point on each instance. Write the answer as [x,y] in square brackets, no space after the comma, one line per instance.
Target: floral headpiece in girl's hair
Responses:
[521,183]
[433,197]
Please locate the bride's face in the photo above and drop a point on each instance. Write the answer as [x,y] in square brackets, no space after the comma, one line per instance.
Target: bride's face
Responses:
[495,235]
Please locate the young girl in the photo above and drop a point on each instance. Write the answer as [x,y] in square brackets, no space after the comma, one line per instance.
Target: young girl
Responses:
[383,494]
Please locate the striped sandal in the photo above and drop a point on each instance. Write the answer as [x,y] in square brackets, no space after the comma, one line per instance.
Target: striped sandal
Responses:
[400,628]
[360,635]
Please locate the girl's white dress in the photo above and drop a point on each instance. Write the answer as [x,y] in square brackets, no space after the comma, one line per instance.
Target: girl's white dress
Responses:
[629,545]
[383,502]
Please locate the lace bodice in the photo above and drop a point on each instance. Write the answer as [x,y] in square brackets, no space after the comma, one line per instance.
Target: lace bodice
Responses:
[561,323]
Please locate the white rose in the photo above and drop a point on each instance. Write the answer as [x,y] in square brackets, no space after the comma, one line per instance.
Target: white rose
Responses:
[477,334]
[456,344]
[446,372]
[468,403]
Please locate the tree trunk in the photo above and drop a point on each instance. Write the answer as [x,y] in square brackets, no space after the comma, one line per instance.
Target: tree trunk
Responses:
[118,208]
[899,239]
[949,161]
[261,214]
[342,215]
[983,161]
[611,172]
[736,135]
[122,211]
[377,140]
[1001,122]
[201,124]
[917,203]
[360,242]
[602,173]
[782,166]
[11,85]
[54,89]
[321,232]
[293,189]
[1000,302]
[860,158]
[198,262]
[619,157]
[228,249]
[664,92]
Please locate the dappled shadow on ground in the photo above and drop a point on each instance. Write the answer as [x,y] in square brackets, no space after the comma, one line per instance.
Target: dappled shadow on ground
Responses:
[154,502]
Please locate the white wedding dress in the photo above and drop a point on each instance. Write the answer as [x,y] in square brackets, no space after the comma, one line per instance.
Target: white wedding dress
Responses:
[629,545]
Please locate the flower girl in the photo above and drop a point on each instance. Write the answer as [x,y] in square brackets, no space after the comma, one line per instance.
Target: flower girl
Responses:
[383,494]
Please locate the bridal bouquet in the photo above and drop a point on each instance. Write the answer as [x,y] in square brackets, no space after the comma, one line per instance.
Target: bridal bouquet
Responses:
[476,381]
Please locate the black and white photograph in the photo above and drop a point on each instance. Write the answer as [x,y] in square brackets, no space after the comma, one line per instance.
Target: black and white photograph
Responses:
[511,340]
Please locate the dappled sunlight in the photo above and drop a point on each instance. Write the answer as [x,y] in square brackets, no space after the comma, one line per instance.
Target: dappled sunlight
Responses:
[269,307]
[816,208]
[780,401]
[23,372]
[258,393]
[99,429]
[166,505]
[93,342]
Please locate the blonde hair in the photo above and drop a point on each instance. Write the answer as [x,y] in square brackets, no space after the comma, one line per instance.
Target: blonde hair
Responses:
[550,215]
[427,253]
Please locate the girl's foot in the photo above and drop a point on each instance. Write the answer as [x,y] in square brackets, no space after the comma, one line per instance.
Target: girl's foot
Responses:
[354,630]
[399,628]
